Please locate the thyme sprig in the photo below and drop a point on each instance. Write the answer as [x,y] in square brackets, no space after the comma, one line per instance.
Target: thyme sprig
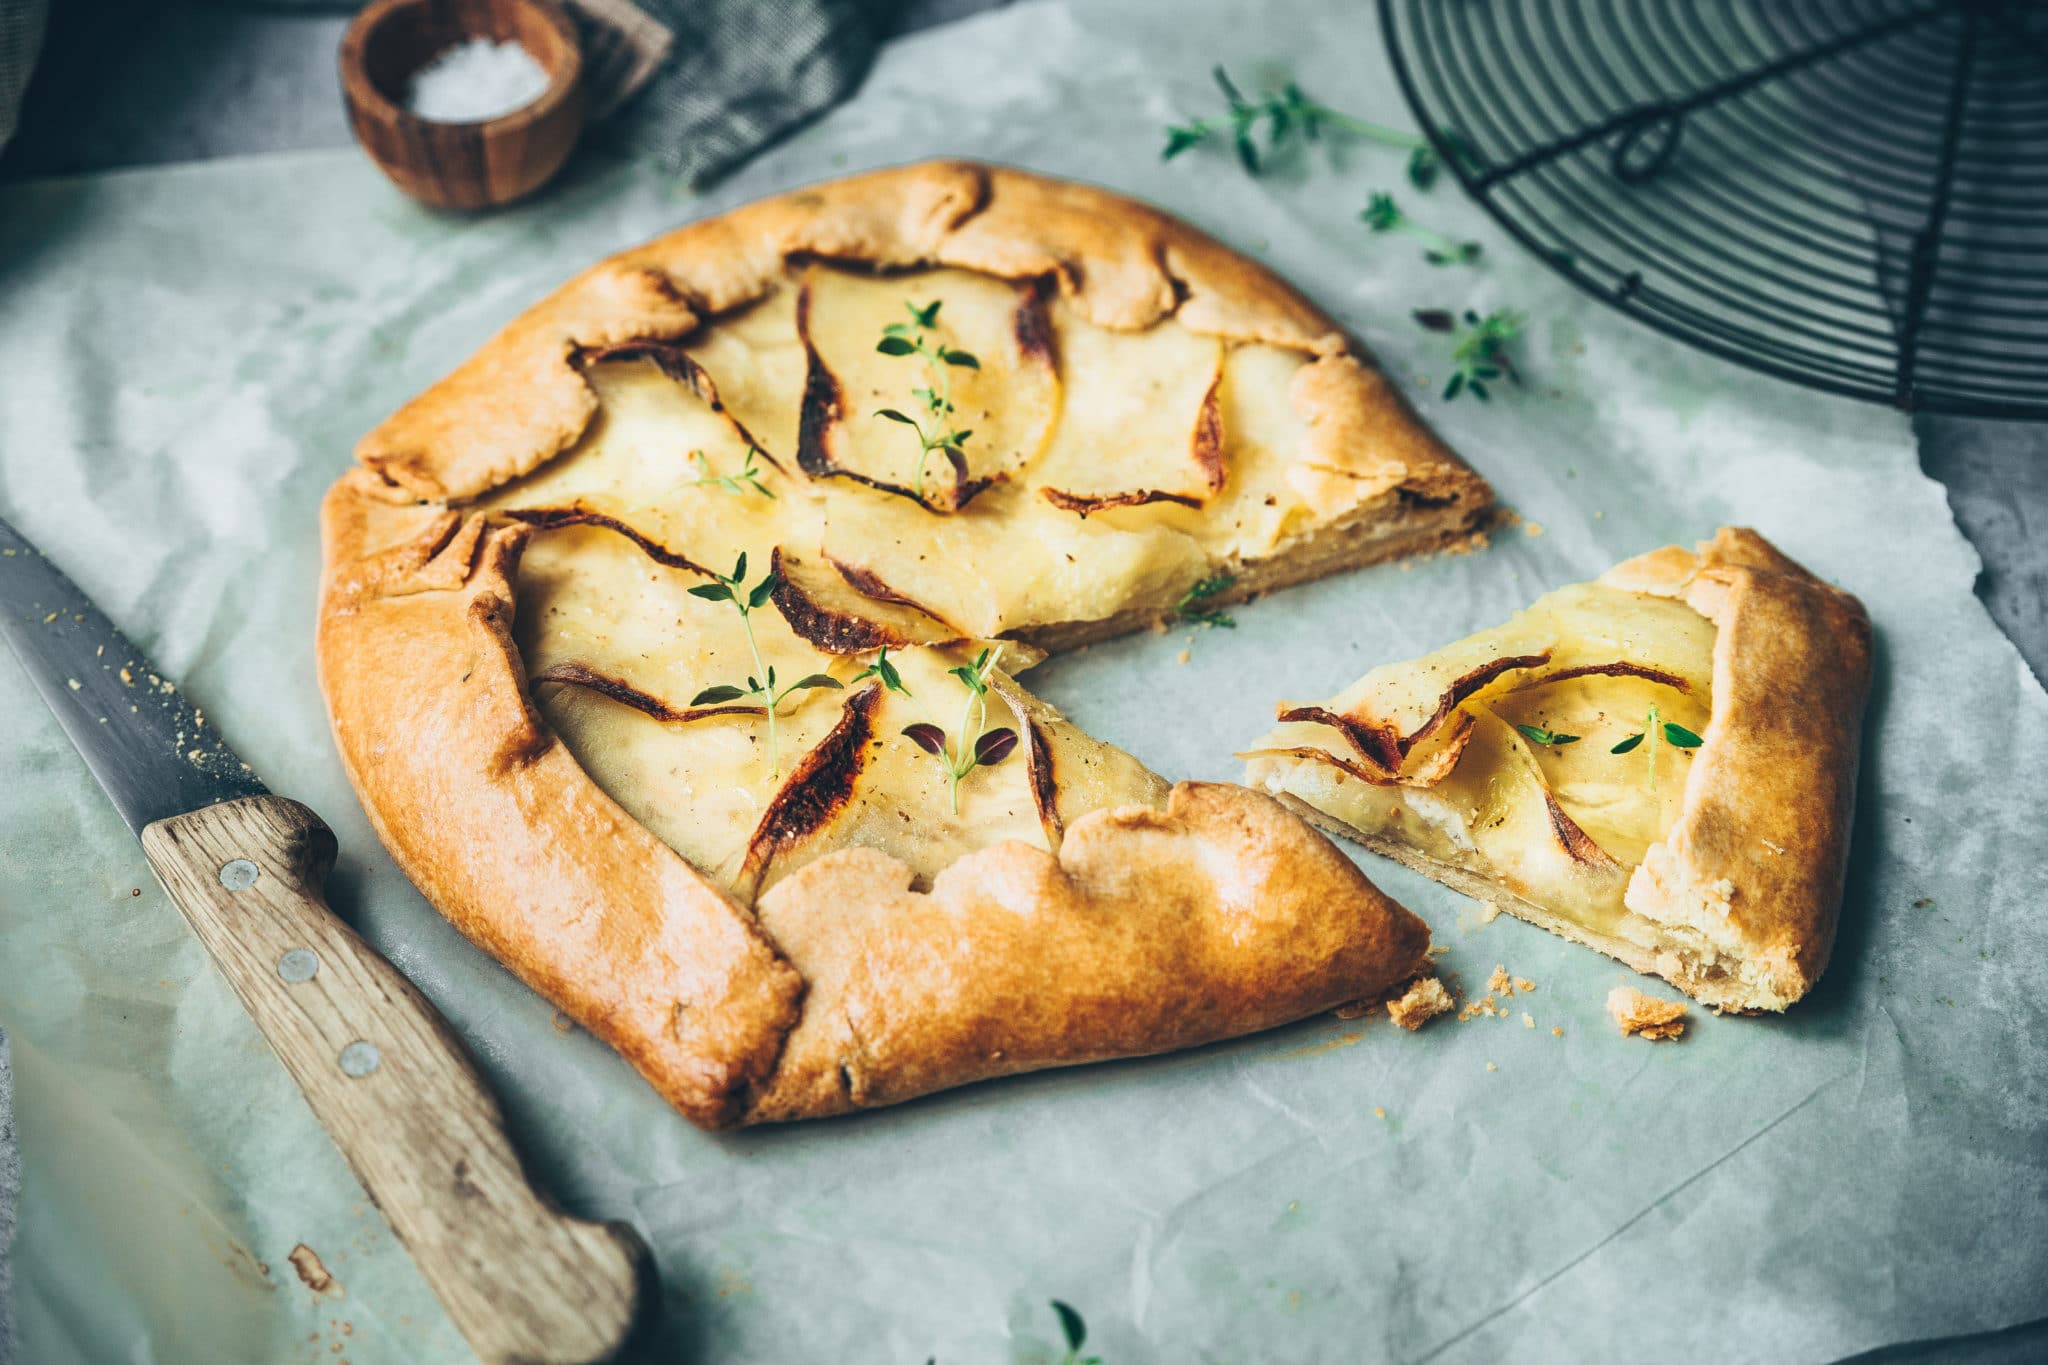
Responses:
[1677,736]
[1191,610]
[1285,112]
[1480,352]
[919,337]
[1538,735]
[884,670]
[749,476]
[957,753]
[1382,214]
[761,682]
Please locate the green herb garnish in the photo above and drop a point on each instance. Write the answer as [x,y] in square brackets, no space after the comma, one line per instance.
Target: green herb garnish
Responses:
[957,754]
[1480,354]
[1075,1331]
[760,683]
[1677,736]
[737,484]
[919,337]
[1191,610]
[1382,214]
[1538,735]
[881,668]
[1285,112]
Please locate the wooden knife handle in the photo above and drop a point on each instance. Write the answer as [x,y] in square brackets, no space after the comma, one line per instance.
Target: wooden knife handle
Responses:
[394,1088]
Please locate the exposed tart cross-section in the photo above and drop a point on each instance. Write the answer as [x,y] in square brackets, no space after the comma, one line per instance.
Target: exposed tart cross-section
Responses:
[692,609]
[1660,764]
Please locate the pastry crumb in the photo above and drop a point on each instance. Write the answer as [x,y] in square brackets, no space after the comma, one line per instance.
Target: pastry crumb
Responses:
[1420,1003]
[1637,1013]
[1524,984]
[1489,911]
[1491,1067]
[1438,950]
[1378,1112]
[1500,983]
[1528,1019]
[1557,1033]
[1183,656]
[1533,528]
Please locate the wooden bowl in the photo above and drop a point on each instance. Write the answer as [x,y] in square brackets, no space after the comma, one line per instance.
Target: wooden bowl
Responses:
[461,165]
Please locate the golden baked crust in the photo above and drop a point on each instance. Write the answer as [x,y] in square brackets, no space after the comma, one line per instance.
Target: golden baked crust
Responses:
[846,985]
[1736,901]
[1639,1015]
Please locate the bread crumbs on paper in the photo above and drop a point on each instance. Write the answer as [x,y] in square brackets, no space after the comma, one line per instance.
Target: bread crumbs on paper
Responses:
[1420,1003]
[1524,985]
[1378,1112]
[1557,1033]
[1500,983]
[1528,1019]
[1636,1013]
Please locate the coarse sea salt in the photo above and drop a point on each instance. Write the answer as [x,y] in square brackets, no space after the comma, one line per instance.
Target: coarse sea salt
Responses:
[476,80]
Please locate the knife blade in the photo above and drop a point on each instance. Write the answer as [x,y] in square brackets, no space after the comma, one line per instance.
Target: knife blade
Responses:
[144,740]
[381,1069]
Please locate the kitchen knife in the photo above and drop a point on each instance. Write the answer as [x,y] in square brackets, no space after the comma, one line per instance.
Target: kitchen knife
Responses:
[384,1073]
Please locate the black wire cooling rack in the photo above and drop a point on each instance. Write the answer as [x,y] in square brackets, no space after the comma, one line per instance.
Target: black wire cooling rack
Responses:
[1850,194]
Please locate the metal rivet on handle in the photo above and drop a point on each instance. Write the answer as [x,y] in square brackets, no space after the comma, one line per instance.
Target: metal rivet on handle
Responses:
[360,1058]
[238,875]
[300,964]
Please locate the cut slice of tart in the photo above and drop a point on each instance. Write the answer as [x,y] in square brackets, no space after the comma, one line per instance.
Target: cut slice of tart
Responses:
[1660,763]
[671,641]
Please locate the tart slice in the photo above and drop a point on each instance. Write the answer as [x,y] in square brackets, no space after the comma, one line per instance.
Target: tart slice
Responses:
[1660,763]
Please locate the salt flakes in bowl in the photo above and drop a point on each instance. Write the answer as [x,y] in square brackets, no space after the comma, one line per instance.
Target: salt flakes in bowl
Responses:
[474,81]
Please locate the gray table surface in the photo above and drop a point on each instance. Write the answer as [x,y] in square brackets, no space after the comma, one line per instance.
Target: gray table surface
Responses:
[149,82]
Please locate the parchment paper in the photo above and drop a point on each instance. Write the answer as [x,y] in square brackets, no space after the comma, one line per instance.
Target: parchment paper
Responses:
[186,357]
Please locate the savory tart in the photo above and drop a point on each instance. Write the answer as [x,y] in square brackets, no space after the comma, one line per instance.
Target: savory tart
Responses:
[671,641]
[1660,763]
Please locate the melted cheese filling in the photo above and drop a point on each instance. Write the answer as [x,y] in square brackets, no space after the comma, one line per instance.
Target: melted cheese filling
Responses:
[1495,812]
[1096,416]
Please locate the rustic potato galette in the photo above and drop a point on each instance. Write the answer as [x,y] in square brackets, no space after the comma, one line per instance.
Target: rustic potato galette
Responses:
[672,640]
[1661,764]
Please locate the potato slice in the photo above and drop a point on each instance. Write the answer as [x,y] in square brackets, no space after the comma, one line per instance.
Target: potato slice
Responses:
[1004,404]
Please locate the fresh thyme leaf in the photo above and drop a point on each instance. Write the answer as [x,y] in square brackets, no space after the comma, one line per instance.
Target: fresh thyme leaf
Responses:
[1423,167]
[1382,214]
[919,338]
[971,745]
[1480,352]
[1628,744]
[1681,738]
[746,601]
[1191,610]
[1538,735]
[1071,1325]
[749,476]
[1285,113]
[927,737]
[885,670]
[994,746]
[815,680]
